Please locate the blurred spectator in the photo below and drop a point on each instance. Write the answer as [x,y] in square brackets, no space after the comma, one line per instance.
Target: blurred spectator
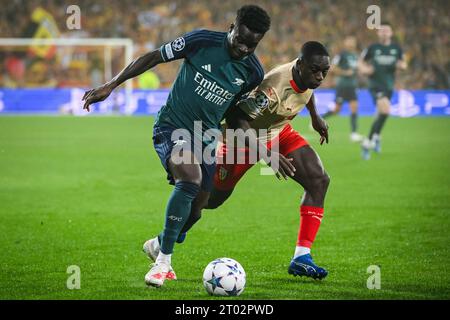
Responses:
[39,75]
[148,80]
[96,72]
[75,76]
[420,27]
[14,75]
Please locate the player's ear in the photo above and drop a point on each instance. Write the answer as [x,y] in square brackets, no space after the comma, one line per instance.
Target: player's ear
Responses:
[302,65]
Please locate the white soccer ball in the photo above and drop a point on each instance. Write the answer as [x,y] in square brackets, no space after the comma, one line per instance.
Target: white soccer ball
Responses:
[224,277]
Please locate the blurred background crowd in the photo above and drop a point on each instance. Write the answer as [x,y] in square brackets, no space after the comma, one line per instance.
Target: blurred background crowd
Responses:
[420,27]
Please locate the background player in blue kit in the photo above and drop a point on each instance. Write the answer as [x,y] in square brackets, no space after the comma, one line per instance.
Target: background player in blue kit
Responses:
[218,68]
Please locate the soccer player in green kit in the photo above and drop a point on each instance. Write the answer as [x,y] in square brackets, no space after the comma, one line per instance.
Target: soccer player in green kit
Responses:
[345,68]
[218,68]
[380,61]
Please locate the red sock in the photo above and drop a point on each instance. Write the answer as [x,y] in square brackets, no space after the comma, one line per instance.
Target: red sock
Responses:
[309,225]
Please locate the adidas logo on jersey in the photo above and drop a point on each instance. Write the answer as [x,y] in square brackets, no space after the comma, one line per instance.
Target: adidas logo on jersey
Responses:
[207,67]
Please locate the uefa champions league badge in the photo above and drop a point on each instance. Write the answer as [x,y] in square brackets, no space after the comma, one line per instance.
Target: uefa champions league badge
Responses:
[178,44]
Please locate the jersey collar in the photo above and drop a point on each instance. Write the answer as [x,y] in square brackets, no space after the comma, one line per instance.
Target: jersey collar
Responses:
[292,81]
[295,87]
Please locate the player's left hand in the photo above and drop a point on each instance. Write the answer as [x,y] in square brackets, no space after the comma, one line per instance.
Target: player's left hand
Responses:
[96,95]
[321,126]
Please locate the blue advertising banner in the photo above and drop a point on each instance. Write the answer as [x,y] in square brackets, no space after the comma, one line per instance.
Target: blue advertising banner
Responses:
[405,103]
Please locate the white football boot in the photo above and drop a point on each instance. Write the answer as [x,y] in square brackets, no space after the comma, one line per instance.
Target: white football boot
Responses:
[366,146]
[151,248]
[157,274]
[355,137]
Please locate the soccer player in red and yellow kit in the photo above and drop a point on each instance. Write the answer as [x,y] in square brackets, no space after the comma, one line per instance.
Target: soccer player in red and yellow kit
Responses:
[284,92]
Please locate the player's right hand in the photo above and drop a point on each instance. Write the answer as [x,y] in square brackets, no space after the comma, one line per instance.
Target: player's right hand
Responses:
[283,167]
[96,95]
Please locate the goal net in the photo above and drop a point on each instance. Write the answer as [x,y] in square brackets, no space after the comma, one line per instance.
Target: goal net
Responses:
[76,63]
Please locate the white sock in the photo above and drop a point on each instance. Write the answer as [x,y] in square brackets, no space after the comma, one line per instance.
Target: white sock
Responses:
[376,137]
[300,251]
[164,258]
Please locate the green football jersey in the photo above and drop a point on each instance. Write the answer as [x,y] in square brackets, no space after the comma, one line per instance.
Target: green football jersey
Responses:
[384,60]
[346,61]
[208,82]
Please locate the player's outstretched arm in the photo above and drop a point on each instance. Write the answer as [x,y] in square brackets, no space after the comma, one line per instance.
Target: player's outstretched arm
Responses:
[238,119]
[317,122]
[135,68]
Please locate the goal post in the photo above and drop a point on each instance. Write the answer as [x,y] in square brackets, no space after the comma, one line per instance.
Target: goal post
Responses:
[108,44]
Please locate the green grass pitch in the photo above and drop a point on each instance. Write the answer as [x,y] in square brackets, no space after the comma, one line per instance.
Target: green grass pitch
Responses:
[89,191]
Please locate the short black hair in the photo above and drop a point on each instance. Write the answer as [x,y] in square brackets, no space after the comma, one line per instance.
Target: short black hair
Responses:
[253,17]
[312,48]
[385,23]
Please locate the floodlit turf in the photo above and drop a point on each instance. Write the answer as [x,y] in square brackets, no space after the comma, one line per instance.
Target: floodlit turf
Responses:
[89,191]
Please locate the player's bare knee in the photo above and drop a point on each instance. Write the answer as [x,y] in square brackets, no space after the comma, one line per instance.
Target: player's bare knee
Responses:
[384,106]
[325,181]
[191,176]
[320,185]
[191,179]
